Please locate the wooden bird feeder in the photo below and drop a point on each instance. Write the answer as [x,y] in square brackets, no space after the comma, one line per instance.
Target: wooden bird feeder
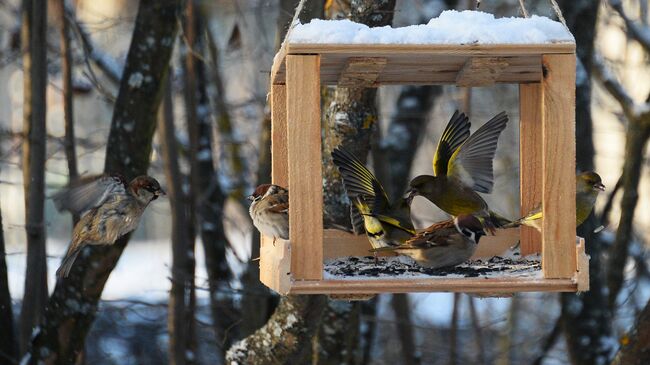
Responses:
[546,77]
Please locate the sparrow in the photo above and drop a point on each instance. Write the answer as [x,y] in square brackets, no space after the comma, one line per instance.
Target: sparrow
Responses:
[444,244]
[588,186]
[462,166]
[269,211]
[386,224]
[111,208]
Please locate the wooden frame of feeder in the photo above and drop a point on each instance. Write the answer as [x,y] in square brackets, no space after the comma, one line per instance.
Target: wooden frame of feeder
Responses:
[546,77]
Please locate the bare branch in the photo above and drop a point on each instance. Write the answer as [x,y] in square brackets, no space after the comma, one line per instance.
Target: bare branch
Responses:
[639,32]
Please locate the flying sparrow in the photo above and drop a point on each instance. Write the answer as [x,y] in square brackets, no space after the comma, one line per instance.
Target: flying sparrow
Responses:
[112,209]
[462,166]
[444,244]
[270,211]
[386,224]
[588,185]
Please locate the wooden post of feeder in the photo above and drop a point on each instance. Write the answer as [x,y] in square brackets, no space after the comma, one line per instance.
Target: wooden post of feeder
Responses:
[305,167]
[558,166]
[530,161]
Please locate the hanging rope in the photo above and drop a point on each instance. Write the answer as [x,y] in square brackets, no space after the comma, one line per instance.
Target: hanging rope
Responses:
[558,12]
[523,8]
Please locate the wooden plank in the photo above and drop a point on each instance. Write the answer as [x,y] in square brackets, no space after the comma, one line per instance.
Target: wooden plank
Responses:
[530,161]
[361,72]
[461,285]
[378,50]
[275,264]
[337,243]
[558,167]
[279,152]
[582,276]
[305,175]
[481,71]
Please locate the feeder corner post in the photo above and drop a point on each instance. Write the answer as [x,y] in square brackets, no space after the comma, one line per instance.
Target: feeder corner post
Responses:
[305,181]
[558,166]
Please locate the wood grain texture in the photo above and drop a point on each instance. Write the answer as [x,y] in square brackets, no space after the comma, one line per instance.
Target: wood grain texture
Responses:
[275,264]
[582,276]
[361,72]
[530,161]
[402,68]
[481,71]
[461,285]
[279,151]
[305,167]
[338,243]
[558,167]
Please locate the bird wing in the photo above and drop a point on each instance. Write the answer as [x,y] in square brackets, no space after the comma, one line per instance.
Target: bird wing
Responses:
[436,235]
[359,181]
[88,193]
[279,203]
[471,163]
[455,133]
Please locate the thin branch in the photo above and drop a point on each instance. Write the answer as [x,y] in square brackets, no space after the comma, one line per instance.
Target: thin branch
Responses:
[639,32]
[106,63]
[611,84]
[549,341]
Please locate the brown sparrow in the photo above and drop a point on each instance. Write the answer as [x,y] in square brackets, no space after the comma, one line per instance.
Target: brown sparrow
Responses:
[444,244]
[270,211]
[112,209]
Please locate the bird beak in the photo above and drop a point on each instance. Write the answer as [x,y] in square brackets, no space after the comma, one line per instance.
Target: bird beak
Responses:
[160,192]
[599,186]
[250,198]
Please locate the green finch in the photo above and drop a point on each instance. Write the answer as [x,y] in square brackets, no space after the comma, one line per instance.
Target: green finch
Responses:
[588,185]
[386,223]
[444,244]
[462,166]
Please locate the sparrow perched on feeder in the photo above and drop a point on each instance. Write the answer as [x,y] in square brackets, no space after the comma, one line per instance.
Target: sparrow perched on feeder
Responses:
[270,211]
[588,185]
[113,208]
[444,244]
[462,166]
[386,223]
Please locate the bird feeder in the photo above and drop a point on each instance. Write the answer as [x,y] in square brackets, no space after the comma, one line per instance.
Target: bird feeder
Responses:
[545,73]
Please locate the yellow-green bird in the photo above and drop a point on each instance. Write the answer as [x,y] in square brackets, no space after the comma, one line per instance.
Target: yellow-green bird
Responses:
[462,167]
[386,224]
[588,185]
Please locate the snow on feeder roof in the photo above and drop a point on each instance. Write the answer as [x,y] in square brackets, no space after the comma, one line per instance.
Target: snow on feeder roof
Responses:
[451,27]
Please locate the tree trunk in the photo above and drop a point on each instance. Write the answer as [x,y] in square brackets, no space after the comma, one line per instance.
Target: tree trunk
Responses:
[636,138]
[257,300]
[181,231]
[402,308]
[73,304]
[286,338]
[350,119]
[8,341]
[68,105]
[34,30]
[586,321]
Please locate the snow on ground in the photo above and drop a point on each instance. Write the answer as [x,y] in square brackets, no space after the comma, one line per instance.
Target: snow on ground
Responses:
[143,270]
[451,27]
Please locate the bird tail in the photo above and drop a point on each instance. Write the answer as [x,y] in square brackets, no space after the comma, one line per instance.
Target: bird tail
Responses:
[68,261]
[499,221]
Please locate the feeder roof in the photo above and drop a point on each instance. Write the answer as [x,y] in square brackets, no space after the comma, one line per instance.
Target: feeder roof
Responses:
[509,49]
